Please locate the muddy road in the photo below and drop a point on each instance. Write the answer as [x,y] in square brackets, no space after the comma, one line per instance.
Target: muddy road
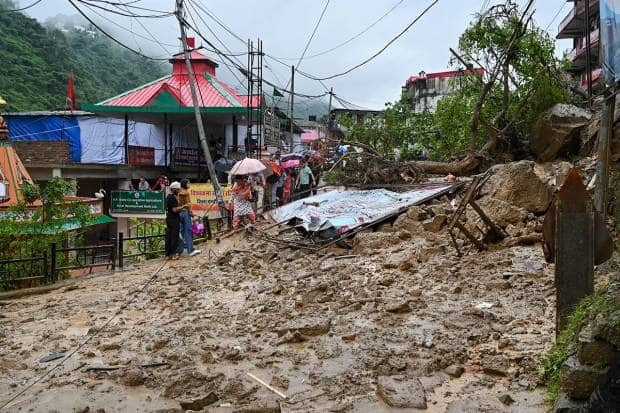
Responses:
[398,323]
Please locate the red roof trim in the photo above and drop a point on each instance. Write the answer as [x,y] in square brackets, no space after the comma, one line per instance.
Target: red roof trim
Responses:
[452,73]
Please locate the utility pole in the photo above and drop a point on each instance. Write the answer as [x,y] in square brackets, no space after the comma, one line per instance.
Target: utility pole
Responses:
[292,101]
[192,86]
[329,113]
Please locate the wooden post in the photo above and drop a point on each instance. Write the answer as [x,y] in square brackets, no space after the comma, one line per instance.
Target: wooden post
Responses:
[165,139]
[574,247]
[292,103]
[126,139]
[120,250]
[602,155]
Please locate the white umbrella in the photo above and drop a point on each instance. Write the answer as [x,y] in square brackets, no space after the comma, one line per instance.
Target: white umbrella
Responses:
[247,166]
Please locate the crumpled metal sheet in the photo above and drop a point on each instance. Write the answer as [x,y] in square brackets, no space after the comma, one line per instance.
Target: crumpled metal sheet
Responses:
[345,210]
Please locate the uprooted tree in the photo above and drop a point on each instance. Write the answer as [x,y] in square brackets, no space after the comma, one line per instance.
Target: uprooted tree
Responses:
[489,117]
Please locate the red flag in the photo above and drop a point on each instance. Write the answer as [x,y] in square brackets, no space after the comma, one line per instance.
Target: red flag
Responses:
[71,93]
[191,42]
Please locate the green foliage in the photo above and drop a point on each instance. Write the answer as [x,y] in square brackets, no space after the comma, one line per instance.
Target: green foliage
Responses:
[151,247]
[529,84]
[29,232]
[36,63]
[396,127]
[601,302]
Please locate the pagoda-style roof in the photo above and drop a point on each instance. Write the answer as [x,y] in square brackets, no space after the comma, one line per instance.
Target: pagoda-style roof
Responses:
[171,94]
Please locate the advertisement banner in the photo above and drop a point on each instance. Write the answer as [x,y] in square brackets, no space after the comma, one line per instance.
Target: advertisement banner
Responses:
[188,157]
[203,198]
[141,156]
[137,203]
[610,39]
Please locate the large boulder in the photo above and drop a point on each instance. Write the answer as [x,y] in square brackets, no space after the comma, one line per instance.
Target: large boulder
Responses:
[557,131]
[517,184]
[401,392]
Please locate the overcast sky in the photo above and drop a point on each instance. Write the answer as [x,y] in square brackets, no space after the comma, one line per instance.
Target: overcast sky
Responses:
[285,26]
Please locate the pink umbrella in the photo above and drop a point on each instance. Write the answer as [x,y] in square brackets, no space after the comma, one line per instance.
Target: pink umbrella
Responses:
[247,166]
[291,163]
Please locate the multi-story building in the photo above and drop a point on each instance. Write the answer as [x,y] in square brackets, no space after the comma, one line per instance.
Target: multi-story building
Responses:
[574,26]
[425,90]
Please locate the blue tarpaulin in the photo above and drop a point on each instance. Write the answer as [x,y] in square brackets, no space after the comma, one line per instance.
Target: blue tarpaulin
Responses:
[610,39]
[47,128]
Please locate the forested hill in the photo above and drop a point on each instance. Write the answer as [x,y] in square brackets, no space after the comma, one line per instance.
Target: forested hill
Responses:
[35,63]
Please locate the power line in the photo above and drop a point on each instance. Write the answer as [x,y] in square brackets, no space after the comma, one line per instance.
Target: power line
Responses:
[110,36]
[191,4]
[240,67]
[22,8]
[556,15]
[349,40]
[378,52]
[316,27]
[152,39]
[121,13]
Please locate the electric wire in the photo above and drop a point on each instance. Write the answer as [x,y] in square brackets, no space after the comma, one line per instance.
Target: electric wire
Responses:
[119,12]
[21,8]
[556,15]
[350,39]
[79,10]
[380,51]
[89,338]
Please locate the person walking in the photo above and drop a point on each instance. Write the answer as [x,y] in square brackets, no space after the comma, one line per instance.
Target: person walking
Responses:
[303,180]
[173,221]
[242,201]
[258,186]
[186,221]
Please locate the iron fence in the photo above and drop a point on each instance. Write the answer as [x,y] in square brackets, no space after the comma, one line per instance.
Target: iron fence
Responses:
[27,268]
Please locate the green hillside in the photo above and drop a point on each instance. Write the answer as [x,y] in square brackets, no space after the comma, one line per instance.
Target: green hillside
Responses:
[36,62]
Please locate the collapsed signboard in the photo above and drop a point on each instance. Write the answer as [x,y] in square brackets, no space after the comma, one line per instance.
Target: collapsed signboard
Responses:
[342,211]
[202,197]
[138,204]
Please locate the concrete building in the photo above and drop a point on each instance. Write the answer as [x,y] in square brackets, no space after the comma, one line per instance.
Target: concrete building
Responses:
[575,27]
[425,90]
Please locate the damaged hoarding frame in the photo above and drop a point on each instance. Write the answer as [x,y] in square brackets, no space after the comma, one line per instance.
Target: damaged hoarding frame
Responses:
[331,217]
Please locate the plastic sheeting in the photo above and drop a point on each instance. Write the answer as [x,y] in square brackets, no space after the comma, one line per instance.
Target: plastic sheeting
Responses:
[47,128]
[610,39]
[103,139]
[344,210]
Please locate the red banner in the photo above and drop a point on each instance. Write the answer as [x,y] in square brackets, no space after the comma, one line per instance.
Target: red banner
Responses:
[141,156]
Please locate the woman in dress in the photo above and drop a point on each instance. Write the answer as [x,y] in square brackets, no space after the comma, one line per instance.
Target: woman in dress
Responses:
[242,201]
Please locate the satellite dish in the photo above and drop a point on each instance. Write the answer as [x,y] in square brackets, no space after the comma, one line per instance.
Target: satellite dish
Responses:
[100,194]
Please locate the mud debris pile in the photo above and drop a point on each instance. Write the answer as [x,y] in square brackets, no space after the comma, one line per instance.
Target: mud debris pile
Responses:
[398,321]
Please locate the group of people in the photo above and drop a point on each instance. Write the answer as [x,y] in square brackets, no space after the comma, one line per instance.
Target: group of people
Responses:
[284,185]
[179,221]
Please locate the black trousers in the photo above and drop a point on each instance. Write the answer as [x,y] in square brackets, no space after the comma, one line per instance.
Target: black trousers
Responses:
[173,228]
[304,191]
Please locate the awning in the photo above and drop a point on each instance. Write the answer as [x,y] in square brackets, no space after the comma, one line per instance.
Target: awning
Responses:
[69,225]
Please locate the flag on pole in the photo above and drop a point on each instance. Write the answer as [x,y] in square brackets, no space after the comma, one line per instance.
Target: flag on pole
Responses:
[71,93]
[276,92]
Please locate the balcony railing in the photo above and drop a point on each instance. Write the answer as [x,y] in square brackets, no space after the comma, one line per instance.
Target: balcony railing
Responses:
[573,22]
[583,79]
